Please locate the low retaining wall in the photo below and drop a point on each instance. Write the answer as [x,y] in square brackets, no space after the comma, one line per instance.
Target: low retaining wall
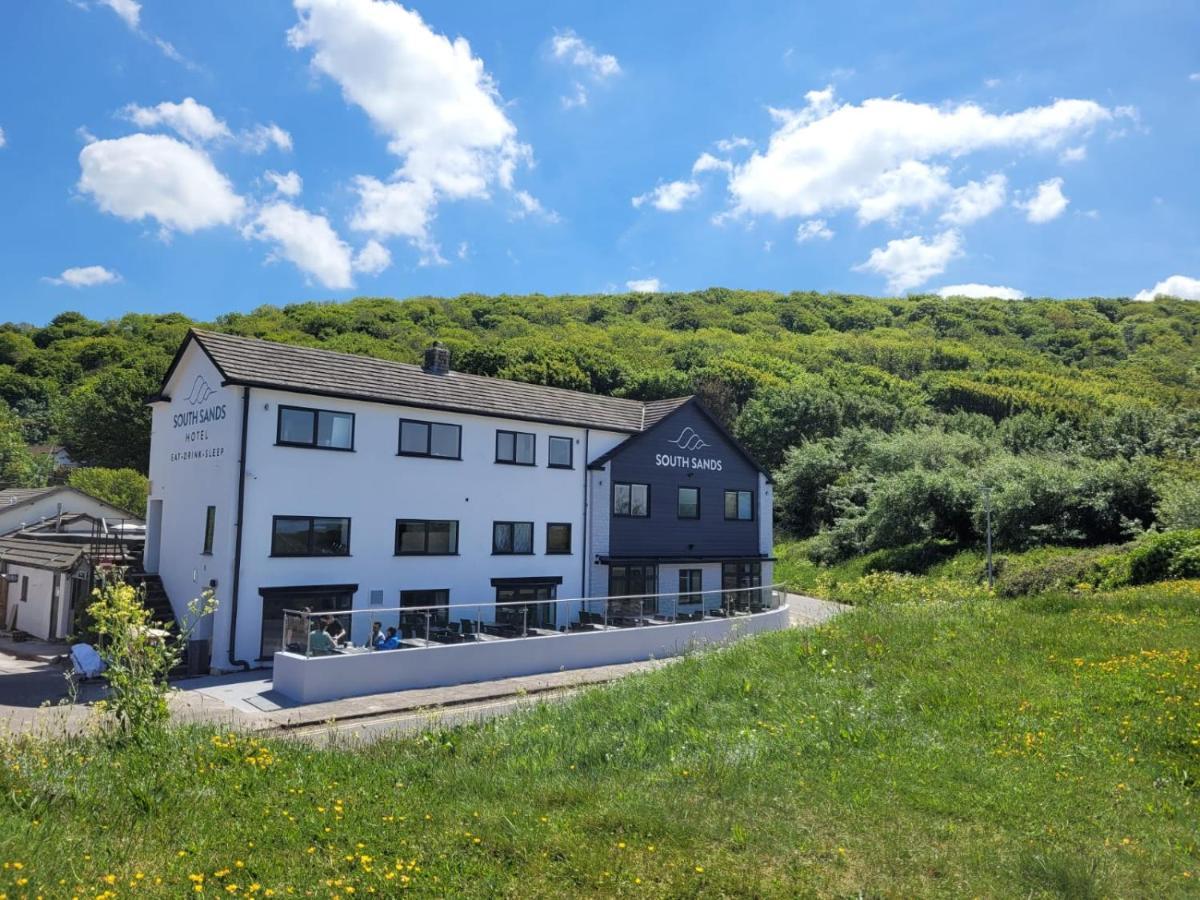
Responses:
[320,678]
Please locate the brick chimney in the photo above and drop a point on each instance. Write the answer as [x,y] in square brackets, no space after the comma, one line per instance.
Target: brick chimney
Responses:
[437,360]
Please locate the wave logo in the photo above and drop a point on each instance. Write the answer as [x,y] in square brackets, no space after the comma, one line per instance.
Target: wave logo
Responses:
[200,391]
[689,440]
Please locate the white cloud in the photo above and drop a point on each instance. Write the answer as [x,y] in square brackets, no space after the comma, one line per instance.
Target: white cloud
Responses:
[439,108]
[911,185]
[305,239]
[129,10]
[880,157]
[975,200]
[155,176]
[909,262]
[579,98]
[669,197]
[980,291]
[1176,286]
[727,145]
[1047,203]
[261,138]
[2,140]
[529,205]
[992,83]
[644,285]
[570,47]
[812,230]
[85,276]
[372,259]
[289,184]
[463,250]
[1073,154]
[193,121]
[706,162]
[1195,76]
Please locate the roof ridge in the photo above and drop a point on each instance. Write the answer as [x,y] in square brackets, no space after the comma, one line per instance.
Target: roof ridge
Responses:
[627,402]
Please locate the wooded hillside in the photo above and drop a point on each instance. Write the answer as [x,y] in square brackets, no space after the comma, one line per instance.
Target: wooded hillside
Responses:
[883,418]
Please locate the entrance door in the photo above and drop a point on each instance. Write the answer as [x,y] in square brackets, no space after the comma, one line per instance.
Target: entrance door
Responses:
[536,613]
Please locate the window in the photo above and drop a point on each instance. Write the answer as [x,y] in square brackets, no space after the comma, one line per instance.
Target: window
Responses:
[512,537]
[741,575]
[558,537]
[426,537]
[24,588]
[689,503]
[631,500]
[210,527]
[537,611]
[310,536]
[439,597]
[690,585]
[739,505]
[561,454]
[321,428]
[436,439]
[516,448]
[632,580]
[317,599]
[635,582]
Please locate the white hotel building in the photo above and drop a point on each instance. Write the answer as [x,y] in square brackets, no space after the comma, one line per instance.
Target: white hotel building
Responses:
[287,477]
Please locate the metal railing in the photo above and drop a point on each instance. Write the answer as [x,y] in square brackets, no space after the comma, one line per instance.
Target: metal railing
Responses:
[332,631]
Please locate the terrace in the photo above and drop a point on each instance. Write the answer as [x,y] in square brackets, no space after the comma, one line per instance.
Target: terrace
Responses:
[442,645]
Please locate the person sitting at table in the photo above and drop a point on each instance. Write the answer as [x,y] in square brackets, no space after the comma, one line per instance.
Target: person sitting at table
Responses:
[391,642]
[319,641]
[376,638]
[335,630]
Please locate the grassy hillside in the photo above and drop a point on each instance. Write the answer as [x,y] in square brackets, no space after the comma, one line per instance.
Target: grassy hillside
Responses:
[1042,747]
[884,418]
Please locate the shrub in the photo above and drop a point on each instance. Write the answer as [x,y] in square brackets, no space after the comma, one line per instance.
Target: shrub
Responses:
[1169,554]
[1060,571]
[138,653]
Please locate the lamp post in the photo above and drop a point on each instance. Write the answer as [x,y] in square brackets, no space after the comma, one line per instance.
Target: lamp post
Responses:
[987,512]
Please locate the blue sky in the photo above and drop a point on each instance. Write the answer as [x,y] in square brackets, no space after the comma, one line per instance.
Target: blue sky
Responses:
[213,156]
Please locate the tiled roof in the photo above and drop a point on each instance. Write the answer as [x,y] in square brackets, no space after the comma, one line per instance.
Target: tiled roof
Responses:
[247,361]
[40,554]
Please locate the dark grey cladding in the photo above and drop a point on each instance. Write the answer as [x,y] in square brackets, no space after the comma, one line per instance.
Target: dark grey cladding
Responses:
[687,449]
[309,370]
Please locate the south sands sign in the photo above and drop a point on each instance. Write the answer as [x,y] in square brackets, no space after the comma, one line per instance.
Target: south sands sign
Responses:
[688,439]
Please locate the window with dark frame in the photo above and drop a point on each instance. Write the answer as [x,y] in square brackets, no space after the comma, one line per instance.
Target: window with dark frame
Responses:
[426,537]
[439,597]
[210,529]
[558,537]
[512,538]
[437,440]
[688,506]
[516,448]
[537,612]
[739,505]
[561,453]
[322,429]
[633,581]
[310,536]
[631,500]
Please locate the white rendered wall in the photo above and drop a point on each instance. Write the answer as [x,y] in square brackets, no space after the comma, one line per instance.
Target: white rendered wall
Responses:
[32,616]
[374,487]
[317,679]
[766,519]
[193,466]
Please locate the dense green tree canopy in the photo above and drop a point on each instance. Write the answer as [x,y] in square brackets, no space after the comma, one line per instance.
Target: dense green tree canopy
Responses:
[882,416]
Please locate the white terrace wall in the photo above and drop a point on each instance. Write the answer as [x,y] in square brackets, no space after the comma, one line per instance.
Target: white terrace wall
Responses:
[316,679]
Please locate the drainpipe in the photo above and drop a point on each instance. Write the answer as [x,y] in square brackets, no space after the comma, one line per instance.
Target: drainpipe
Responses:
[583,545]
[237,545]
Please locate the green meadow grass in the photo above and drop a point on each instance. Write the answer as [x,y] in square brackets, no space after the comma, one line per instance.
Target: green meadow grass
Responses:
[1034,748]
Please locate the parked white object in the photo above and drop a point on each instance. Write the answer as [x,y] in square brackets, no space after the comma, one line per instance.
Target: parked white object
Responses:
[86,661]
